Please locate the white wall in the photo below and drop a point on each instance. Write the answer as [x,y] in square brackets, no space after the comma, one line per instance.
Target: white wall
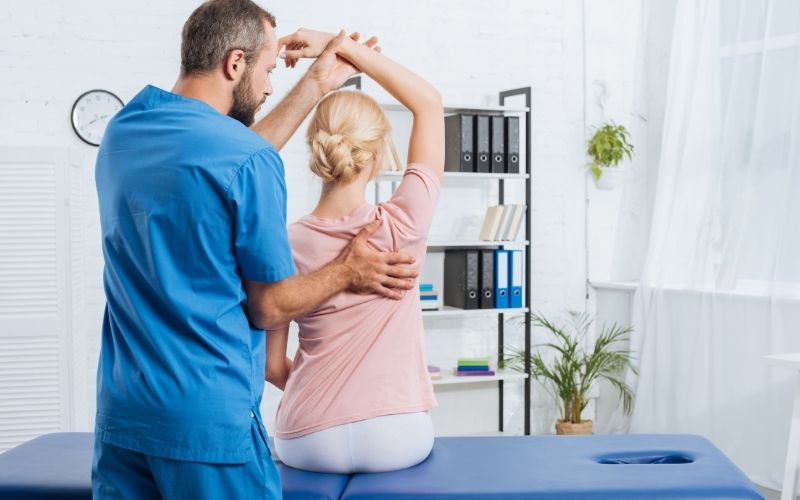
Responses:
[52,51]
[626,82]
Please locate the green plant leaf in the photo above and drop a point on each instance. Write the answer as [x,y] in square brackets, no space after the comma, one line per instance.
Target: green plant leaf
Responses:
[608,146]
[573,369]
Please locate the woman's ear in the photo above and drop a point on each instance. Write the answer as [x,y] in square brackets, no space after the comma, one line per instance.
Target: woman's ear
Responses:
[377,164]
[234,65]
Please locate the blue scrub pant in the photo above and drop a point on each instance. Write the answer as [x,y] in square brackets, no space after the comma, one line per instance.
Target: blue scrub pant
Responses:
[118,473]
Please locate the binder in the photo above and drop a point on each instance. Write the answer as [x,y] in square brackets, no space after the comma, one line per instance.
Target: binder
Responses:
[483,160]
[491,222]
[461,279]
[512,144]
[501,276]
[459,149]
[515,296]
[516,222]
[486,300]
[497,144]
[505,220]
[509,231]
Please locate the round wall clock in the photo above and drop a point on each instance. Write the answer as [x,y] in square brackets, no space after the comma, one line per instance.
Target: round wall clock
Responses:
[91,113]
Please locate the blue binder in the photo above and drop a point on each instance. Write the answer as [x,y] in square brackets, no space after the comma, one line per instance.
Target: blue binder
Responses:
[501,276]
[515,264]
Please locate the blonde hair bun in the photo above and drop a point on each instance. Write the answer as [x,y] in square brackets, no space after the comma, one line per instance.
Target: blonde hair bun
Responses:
[333,157]
[347,133]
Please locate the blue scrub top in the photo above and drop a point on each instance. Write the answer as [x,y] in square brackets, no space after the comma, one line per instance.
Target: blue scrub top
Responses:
[191,203]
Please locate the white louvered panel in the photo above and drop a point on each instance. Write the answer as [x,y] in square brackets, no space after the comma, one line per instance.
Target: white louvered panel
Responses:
[28,244]
[30,399]
[78,371]
[34,323]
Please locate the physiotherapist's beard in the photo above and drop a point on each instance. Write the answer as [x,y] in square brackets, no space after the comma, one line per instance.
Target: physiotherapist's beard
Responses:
[244,104]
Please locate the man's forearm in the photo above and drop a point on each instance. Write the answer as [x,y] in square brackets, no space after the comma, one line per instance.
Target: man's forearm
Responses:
[299,295]
[282,122]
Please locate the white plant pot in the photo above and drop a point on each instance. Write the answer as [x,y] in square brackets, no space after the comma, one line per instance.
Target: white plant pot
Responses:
[612,178]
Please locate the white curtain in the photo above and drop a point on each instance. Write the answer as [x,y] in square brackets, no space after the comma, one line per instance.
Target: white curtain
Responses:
[721,283]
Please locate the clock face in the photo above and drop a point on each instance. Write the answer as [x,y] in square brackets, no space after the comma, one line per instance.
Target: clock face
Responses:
[91,113]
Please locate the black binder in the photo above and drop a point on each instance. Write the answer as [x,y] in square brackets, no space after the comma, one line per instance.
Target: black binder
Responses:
[487,279]
[497,144]
[461,279]
[459,149]
[512,144]
[483,160]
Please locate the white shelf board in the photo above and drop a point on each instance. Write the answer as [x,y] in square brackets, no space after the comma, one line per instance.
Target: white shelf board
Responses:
[450,379]
[790,360]
[476,244]
[454,311]
[397,176]
[462,107]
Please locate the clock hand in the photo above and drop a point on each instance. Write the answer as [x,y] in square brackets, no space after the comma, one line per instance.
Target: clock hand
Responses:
[98,118]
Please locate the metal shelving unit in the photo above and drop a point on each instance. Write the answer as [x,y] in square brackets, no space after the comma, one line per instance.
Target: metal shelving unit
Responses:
[526,93]
[502,314]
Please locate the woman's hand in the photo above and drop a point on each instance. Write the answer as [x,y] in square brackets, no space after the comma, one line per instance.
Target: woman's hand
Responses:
[331,70]
[304,43]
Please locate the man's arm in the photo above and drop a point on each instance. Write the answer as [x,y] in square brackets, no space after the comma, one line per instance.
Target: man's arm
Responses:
[278,366]
[358,268]
[327,73]
[282,122]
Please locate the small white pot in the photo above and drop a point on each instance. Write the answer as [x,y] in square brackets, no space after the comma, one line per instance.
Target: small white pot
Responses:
[612,178]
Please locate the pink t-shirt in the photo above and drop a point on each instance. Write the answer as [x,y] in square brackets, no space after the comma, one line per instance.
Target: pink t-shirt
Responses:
[361,355]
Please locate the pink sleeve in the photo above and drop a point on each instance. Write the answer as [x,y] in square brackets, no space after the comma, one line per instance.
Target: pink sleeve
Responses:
[412,205]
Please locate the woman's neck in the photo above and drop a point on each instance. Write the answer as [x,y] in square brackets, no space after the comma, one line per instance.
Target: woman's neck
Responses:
[340,200]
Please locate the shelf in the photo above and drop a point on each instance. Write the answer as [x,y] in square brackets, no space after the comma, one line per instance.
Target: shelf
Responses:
[462,108]
[454,311]
[476,243]
[449,379]
[398,176]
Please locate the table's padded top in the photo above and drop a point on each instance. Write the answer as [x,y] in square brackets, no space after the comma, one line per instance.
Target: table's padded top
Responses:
[304,485]
[52,466]
[58,466]
[563,467]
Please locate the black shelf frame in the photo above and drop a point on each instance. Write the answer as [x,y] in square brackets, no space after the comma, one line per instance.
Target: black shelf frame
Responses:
[501,319]
[525,92]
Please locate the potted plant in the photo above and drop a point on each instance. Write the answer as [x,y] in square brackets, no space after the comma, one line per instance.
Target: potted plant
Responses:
[572,369]
[608,146]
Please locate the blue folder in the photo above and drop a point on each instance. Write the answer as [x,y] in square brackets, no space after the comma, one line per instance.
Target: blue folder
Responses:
[515,264]
[501,276]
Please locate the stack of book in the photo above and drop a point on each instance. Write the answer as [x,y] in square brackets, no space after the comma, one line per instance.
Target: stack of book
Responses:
[473,367]
[502,223]
[435,372]
[428,297]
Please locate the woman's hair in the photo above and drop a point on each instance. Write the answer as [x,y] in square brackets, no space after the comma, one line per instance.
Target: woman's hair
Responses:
[348,130]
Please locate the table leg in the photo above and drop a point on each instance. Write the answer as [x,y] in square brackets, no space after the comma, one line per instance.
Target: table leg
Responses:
[793,453]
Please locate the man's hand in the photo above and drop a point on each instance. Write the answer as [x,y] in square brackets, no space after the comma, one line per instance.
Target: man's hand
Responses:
[384,273]
[330,70]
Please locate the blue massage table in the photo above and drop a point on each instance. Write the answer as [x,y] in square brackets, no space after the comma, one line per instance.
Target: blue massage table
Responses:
[57,466]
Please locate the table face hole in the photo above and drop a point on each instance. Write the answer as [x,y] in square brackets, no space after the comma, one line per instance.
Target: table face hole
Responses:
[658,459]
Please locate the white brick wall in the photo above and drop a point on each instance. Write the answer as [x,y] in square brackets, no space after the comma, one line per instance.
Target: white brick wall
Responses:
[51,51]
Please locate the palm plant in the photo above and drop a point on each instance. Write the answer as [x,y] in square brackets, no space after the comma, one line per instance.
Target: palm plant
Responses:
[574,369]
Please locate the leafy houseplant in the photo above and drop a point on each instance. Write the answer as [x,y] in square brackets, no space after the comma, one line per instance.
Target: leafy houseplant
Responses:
[573,369]
[608,147]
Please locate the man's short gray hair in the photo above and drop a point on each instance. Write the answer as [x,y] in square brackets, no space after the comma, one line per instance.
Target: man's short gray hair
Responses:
[219,26]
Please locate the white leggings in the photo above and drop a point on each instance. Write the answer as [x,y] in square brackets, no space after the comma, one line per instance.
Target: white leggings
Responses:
[379,444]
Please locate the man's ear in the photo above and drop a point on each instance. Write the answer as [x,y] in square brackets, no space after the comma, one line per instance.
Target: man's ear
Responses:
[234,65]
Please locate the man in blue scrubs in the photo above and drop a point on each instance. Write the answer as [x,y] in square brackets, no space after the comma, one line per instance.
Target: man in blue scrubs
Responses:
[197,263]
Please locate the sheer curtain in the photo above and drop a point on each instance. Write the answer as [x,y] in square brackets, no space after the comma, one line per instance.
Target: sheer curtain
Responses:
[721,281]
